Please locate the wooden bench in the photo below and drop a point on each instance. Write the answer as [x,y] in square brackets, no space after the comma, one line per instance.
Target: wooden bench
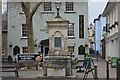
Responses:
[10,68]
[79,69]
[80,65]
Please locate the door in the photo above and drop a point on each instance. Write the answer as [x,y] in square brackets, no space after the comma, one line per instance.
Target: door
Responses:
[46,50]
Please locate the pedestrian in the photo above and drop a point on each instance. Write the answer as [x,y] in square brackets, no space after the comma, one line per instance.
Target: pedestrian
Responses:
[87,64]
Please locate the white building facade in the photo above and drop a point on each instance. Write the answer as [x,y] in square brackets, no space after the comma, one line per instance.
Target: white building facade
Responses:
[112,42]
[75,12]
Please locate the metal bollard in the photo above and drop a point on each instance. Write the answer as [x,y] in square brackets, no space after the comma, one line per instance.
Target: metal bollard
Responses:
[95,72]
[107,69]
[16,72]
[36,66]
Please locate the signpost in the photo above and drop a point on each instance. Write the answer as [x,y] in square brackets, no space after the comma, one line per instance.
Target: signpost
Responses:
[27,57]
[114,62]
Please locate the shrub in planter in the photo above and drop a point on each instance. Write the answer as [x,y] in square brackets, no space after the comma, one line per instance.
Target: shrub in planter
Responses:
[74,63]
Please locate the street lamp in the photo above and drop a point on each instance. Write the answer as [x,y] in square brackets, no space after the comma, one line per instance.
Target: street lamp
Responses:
[10,45]
[57,5]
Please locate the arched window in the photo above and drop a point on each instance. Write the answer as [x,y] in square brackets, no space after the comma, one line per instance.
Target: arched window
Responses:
[81,50]
[16,50]
[57,40]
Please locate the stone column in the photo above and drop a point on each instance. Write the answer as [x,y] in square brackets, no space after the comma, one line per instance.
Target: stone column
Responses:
[50,43]
[68,68]
[65,43]
[44,69]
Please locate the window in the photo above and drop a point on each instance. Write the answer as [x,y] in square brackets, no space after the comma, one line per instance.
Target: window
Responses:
[47,6]
[81,26]
[71,49]
[71,29]
[104,28]
[3,51]
[24,31]
[69,6]
[25,49]
[57,41]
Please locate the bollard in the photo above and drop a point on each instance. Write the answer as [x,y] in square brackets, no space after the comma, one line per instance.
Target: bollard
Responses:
[16,72]
[36,66]
[95,72]
[107,69]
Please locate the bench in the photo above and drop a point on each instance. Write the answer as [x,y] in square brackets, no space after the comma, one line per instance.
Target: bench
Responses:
[10,68]
[79,69]
[80,65]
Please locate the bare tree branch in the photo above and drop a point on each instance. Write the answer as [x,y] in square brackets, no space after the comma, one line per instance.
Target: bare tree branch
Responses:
[24,8]
[35,9]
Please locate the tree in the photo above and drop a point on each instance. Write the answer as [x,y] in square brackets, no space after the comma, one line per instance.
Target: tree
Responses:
[29,24]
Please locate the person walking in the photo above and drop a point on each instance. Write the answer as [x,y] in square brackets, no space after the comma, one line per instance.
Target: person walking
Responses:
[87,63]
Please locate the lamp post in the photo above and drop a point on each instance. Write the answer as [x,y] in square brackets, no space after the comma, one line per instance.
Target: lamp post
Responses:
[57,5]
[71,62]
[10,45]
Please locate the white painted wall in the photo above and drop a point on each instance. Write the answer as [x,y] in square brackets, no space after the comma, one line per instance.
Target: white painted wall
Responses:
[112,40]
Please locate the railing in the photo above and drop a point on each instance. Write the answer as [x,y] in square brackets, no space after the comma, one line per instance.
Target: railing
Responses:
[94,74]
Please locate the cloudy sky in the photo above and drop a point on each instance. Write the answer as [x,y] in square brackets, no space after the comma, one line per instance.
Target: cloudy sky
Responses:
[95,8]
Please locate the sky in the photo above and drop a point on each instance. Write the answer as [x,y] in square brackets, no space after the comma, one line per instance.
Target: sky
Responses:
[95,7]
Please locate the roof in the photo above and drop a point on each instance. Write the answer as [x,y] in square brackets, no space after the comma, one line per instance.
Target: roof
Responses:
[46,41]
[108,8]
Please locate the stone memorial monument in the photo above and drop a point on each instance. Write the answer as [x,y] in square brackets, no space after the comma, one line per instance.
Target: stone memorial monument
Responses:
[58,61]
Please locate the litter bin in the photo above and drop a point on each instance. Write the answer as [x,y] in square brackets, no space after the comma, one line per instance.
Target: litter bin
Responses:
[114,62]
[118,69]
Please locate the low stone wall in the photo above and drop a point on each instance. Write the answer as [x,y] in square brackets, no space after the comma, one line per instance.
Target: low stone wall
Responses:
[57,62]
